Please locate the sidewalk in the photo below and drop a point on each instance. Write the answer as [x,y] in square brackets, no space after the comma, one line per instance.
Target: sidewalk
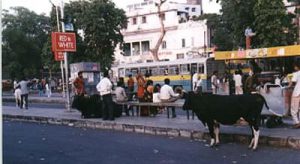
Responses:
[160,125]
[58,99]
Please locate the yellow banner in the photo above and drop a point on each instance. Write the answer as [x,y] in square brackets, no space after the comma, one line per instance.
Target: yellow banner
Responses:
[283,51]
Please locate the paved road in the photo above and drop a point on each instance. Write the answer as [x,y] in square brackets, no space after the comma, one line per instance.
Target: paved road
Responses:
[39,143]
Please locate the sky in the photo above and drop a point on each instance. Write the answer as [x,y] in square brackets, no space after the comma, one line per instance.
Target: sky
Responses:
[44,6]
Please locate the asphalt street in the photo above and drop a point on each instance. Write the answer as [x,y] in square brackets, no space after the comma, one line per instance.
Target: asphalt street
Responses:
[40,143]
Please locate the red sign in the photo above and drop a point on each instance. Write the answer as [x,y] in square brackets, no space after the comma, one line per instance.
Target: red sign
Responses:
[58,56]
[63,42]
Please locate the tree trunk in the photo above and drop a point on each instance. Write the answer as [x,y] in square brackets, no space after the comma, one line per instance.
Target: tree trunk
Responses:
[154,51]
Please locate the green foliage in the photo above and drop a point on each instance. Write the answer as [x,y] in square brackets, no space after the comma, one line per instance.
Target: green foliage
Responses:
[101,23]
[272,24]
[268,18]
[24,34]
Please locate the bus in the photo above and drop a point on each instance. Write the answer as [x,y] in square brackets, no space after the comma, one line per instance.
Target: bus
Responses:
[179,71]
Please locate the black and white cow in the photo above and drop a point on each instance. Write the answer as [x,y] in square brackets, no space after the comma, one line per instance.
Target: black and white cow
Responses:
[213,110]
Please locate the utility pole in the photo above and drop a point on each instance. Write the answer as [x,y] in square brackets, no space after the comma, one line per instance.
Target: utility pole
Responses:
[68,107]
[61,62]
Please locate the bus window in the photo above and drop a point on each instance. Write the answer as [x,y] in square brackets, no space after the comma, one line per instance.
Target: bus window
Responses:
[200,68]
[154,71]
[173,70]
[162,70]
[143,70]
[194,67]
[127,72]
[134,71]
[121,72]
[184,68]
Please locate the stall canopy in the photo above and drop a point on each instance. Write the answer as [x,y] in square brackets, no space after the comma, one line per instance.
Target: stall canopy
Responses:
[270,52]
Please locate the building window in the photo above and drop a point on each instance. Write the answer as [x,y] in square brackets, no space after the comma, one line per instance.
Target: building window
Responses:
[193,9]
[145,47]
[136,49]
[134,21]
[164,45]
[180,56]
[187,8]
[127,49]
[182,43]
[144,19]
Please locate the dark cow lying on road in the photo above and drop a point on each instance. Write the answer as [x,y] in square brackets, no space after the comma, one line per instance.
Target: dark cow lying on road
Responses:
[213,110]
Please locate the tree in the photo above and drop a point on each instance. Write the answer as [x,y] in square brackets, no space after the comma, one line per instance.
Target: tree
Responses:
[24,34]
[273,25]
[154,51]
[237,15]
[220,37]
[101,23]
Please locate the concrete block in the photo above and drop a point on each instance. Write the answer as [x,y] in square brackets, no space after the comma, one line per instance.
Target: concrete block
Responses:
[173,133]
[293,143]
[162,131]
[118,127]
[185,133]
[197,135]
[139,129]
[128,128]
[150,130]
[90,124]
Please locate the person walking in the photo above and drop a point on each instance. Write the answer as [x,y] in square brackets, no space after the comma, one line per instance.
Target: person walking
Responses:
[167,95]
[17,94]
[79,85]
[40,88]
[214,82]
[295,96]
[104,87]
[237,77]
[48,89]
[24,93]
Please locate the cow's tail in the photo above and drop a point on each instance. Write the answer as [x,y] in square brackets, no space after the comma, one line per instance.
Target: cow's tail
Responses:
[269,109]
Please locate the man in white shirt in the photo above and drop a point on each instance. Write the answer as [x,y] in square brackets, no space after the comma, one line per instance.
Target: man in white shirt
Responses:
[167,95]
[24,93]
[296,96]
[214,82]
[238,83]
[195,80]
[105,89]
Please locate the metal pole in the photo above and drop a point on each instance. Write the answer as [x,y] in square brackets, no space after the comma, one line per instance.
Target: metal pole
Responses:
[61,62]
[66,60]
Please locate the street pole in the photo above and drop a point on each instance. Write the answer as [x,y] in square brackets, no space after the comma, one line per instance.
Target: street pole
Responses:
[66,60]
[61,62]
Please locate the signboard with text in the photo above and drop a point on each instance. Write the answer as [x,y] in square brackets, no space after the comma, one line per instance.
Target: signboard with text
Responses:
[58,56]
[63,42]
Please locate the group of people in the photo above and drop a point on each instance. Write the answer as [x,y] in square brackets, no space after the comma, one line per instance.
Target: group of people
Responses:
[147,92]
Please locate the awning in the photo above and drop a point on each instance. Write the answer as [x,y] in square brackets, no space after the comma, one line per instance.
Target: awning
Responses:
[271,52]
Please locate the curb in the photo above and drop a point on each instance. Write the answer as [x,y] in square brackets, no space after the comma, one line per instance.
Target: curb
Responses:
[289,142]
[33,100]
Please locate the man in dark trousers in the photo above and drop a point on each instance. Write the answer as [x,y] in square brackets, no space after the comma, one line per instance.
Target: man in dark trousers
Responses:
[105,89]
[24,84]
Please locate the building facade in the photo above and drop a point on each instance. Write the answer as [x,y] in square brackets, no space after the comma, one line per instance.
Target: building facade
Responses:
[183,39]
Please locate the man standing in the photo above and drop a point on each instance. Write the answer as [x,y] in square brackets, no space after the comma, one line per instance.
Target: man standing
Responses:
[105,89]
[195,81]
[79,85]
[238,83]
[130,85]
[296,95]
[167,95]
[24,93]
[214,82]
